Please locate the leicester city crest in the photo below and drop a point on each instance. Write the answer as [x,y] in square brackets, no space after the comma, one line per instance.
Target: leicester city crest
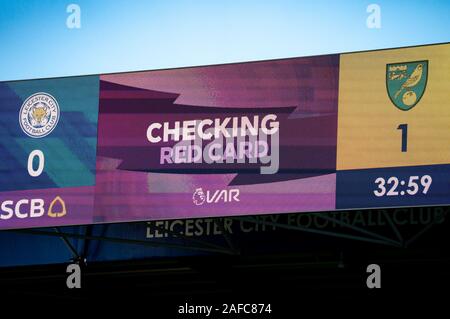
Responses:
[406,83]
[39,115]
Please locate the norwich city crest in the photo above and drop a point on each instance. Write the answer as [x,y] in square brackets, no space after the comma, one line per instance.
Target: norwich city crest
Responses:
[406,83]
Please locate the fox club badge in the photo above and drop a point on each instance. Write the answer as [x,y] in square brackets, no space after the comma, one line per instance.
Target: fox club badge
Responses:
[39,115]
[406,83]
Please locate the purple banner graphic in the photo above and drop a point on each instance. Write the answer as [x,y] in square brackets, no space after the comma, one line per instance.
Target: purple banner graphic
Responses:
[222,140]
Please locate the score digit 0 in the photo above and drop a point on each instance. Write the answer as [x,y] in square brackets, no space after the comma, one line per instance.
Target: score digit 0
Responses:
[41,161]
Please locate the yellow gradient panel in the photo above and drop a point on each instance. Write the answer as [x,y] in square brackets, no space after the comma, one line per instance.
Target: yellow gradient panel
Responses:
[369,116]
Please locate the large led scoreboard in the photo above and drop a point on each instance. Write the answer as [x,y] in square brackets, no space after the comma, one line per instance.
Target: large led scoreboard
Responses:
[332,132]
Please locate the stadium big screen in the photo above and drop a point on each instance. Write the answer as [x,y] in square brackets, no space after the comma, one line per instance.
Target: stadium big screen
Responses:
[331,132]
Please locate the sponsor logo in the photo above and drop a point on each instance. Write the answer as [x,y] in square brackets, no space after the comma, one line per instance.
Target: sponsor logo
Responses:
[39,115]
[406,83]
[32,208]
[213,197]
[53,210]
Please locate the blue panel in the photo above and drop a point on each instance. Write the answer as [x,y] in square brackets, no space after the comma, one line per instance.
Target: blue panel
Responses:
[356,188]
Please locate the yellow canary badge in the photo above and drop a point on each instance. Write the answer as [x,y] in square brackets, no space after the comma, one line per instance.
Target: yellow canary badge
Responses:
[406,83]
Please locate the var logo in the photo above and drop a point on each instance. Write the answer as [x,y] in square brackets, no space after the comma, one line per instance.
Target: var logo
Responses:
[32,208]
[213,197]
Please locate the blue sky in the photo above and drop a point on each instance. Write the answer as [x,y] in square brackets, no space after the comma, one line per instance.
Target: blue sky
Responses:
[123,35]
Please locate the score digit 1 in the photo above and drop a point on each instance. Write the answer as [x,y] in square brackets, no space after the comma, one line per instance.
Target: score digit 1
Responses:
[404,128]
[41,161]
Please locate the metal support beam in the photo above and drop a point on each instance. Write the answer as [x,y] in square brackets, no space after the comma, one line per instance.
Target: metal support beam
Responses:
[420,233]
[187,239]
[358,229]
[219,223]
[121,240]
[394,227]
[317,231]
[87,232]
[68,244]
